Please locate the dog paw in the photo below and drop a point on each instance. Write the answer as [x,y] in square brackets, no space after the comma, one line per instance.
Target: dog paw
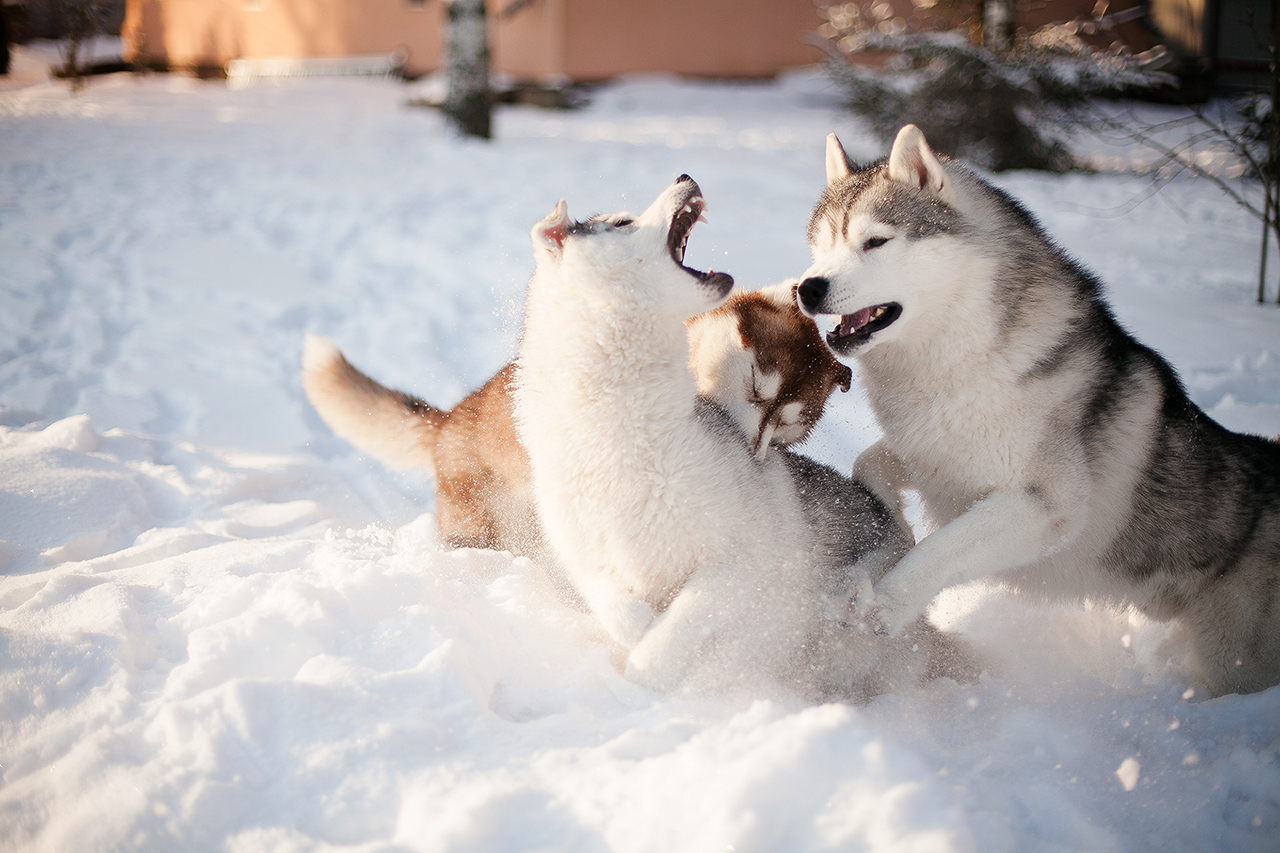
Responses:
[868,621]
[655,666]
[864,609]
[640,668]
[627,620]
[877,613]
[892,616]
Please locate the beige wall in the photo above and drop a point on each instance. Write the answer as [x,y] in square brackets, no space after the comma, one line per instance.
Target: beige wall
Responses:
[546,40]
[211,32]
[598,39]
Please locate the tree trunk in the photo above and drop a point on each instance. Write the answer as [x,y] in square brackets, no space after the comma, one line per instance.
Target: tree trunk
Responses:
[1271,164]
[1266,235]
[4,42]
[998,25]
[80,21]
[1272,177]
[467,103]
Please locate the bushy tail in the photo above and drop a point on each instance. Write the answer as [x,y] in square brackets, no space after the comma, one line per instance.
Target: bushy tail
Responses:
[391,426]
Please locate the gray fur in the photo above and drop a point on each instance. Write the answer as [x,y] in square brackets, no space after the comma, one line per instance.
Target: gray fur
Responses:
[853,535]
[1138,497]
[848,522]
[917,214]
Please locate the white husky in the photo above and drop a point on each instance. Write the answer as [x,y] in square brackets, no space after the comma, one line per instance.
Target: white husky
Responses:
[1056,453]
[713,566]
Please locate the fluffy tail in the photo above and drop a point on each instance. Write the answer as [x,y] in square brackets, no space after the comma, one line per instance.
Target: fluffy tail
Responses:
[391,426]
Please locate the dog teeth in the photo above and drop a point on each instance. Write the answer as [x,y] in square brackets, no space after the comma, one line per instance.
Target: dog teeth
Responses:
[877,312]
[689,214]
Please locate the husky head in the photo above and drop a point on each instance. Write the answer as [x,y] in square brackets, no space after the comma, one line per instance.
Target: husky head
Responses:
[765,364]
[620,256]
[875,237]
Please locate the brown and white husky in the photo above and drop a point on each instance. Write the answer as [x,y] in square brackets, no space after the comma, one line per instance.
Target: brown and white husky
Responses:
[756,356]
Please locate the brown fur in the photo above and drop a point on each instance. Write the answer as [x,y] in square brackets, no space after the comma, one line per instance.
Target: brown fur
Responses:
[483,495]
[784,341]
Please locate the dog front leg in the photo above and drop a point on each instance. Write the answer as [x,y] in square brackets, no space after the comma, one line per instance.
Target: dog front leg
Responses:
[1003,531]
[729,626]
[622,615]
[661,661]
[883,472]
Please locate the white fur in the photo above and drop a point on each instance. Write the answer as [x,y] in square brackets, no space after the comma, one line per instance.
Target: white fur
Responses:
[689,551]
[722,366]
[362,413]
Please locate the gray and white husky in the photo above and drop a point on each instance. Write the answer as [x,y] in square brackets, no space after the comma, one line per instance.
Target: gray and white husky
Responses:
[1055,452]
[717,567]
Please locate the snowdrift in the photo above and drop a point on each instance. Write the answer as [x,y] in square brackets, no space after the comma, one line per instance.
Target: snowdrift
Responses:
[222,629]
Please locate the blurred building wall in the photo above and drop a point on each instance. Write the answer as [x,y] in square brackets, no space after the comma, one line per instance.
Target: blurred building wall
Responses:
[545,40]
[208,33]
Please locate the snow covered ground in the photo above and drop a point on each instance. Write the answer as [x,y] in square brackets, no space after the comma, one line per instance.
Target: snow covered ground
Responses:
[222,629]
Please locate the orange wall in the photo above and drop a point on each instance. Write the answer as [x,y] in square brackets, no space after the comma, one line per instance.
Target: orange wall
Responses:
[211,32]
[546,40]
[697,37]
[598,39]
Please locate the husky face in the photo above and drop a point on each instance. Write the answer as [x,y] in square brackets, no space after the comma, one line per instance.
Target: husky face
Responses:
[633,257]
[879,238]
[764,362]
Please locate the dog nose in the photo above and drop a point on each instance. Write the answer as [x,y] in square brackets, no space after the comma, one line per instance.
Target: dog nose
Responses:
[811,292]
[683,178]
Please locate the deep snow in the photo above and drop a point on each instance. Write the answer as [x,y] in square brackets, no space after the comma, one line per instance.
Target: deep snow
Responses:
[223,629]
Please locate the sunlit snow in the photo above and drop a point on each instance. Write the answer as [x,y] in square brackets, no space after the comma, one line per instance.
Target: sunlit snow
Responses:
[221,628]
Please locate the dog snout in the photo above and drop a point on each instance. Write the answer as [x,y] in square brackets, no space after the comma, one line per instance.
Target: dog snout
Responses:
[811,292]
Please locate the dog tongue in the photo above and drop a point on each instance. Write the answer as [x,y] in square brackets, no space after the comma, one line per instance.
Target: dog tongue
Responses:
[850,323]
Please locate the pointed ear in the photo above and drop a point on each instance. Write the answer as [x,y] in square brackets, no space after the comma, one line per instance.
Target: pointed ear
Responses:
[844,377]
[837,161]
[912,162]
[549,234]
[782,295]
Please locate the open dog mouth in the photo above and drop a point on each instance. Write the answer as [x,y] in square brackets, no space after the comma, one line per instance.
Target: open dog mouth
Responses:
[688,213]
[857,328]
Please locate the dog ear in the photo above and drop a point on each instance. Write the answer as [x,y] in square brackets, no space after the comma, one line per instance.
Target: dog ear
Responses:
[912,162]
[838,164]
[782,295]
[844,377]
[550,232]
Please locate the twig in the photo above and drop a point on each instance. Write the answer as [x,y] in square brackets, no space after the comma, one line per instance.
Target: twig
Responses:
[1176,156]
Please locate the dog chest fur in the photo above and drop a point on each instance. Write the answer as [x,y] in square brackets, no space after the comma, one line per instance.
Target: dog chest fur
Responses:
[608,414]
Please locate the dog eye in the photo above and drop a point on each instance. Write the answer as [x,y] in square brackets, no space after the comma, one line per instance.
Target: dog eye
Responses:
[622,222]
[874,243]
